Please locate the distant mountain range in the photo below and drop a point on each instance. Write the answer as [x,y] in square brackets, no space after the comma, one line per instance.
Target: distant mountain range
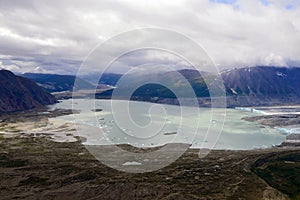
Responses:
[249,86]
[19,93]
[58,83]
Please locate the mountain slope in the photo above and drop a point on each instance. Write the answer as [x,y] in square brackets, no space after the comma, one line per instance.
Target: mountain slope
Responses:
[58,83]
[262,86]
[255,86]
[18,93]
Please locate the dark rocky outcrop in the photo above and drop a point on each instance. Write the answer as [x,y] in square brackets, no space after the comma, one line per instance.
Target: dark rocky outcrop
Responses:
[18,93]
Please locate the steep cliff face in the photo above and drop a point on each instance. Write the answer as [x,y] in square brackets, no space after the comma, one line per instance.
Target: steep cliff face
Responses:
[18,93]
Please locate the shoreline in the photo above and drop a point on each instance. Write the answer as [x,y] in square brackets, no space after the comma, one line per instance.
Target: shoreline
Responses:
[59,130]
[231,101]
[39,122]
[49,159]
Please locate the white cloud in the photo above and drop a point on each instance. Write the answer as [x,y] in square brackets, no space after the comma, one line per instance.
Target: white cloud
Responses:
[58,35]
[275,60]
[13,68]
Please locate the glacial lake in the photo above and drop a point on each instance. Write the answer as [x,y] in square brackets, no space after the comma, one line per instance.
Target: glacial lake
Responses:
[146,124]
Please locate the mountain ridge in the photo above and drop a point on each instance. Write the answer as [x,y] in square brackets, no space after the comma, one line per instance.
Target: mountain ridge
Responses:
[57,82]
[247,86]
[18,93]
[262,86]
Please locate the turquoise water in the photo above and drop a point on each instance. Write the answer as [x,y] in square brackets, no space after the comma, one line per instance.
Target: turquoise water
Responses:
[147,124]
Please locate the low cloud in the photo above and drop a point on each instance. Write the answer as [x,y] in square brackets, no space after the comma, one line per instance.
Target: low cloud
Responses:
[56,36]
[9,67]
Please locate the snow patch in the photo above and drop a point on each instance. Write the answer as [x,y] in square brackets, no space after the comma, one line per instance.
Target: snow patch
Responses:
[233,91]
[280,74]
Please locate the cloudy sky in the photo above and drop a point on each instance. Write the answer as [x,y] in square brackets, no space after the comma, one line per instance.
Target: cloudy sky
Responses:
[55,36]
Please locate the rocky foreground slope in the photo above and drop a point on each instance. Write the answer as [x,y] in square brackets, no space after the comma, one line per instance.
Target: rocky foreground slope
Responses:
[36,168]
[18,93]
